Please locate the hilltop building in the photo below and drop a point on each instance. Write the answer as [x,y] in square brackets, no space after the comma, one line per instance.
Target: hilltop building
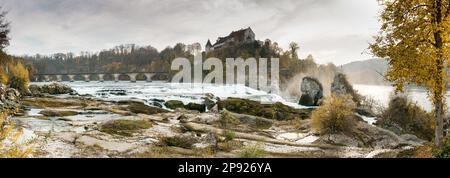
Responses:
[242,36]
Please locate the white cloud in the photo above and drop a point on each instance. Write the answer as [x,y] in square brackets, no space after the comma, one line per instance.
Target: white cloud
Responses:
[331,30]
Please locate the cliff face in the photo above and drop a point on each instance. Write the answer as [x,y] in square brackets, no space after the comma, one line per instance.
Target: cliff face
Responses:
[370,71]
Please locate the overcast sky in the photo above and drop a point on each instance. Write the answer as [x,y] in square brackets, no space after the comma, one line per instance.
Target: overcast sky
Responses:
[335,31]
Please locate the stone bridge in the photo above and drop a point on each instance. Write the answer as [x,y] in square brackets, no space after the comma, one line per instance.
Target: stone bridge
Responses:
[96,76]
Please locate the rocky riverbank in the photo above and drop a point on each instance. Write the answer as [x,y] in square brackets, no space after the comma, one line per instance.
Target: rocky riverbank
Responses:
[80,126]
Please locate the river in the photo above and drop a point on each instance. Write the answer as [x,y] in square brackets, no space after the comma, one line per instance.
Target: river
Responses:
[154,91]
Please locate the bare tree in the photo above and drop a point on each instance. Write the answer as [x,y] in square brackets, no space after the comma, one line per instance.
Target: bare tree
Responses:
[4,30]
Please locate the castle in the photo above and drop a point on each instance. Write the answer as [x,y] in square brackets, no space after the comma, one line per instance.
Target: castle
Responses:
[235,38]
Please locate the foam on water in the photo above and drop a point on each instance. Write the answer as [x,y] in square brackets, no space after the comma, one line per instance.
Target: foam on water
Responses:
[173,91]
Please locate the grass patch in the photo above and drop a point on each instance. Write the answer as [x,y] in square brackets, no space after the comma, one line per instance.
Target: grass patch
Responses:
[252,151]
[229,135]
[179,141]
[229,145]
[124,127]
[51,113]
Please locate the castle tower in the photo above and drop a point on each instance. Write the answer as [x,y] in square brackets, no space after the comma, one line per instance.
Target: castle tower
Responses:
[208,46]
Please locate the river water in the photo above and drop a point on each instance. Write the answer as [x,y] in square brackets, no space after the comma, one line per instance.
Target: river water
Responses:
[150,92]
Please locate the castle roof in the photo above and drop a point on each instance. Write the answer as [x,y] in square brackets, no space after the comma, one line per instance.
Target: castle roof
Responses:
[208,44]
[238,35]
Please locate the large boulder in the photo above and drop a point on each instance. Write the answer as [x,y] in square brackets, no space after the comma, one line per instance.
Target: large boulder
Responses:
[312,92]
[341,86]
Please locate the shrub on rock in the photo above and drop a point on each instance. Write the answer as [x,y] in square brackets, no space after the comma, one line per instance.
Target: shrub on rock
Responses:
[443,151]
[334,116]
[404,117]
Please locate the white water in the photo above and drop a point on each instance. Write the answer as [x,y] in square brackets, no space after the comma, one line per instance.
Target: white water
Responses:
[195,92]
[382,95]
[173,91]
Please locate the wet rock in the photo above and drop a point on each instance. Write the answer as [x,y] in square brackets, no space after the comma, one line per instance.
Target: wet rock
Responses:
[312,92]
[277,111]
[210,100]
[141,108]
[157,102]
[195,107]
[174,104]
[112,92]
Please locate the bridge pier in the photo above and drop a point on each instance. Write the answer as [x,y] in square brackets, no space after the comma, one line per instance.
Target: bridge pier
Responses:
[59,78]
[86,78]
[149,76]
[46,78]
[116,77]
[71,77]
[100,77]
[132,77]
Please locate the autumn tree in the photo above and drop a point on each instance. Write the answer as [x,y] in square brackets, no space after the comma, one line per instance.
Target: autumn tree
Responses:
[414,37]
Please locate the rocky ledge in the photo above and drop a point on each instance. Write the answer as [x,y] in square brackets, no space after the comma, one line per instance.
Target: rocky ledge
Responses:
[84,127]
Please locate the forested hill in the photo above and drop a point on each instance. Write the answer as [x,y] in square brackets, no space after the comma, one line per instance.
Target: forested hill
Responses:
[370,71]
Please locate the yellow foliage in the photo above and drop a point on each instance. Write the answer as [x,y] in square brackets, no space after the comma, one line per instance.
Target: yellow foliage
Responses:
[3,76]
[18,76]
[414,38]
[334,116]
[18,70]
[9,148]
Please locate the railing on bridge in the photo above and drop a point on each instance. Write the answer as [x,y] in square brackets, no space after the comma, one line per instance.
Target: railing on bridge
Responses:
[133,76]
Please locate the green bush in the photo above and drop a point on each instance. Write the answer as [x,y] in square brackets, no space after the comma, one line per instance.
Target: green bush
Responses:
[404,117]
[124,127]
[229,135]
[444,151]
[335,115]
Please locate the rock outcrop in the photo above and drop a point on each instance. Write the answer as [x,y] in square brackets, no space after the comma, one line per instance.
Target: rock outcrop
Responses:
[8,99]
[276,111]
[366,135]
[51,89]
[312,92]
[341,86]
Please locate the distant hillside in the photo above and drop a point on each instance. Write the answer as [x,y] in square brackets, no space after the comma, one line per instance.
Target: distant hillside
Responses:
[367,72]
